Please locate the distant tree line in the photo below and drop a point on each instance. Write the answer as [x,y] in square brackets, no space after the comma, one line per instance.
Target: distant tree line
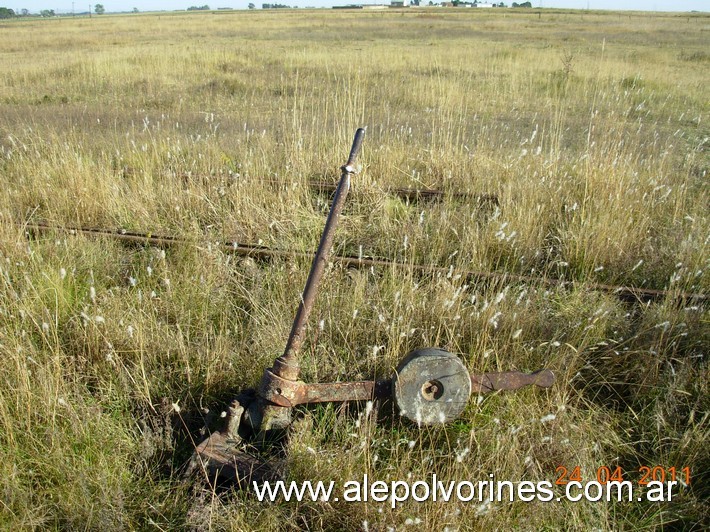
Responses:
[274,6]
[457,3]
[524,4]
[46,13]
[201,8]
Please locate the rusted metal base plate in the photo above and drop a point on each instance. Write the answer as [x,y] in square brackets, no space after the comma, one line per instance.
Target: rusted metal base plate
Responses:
[222,459]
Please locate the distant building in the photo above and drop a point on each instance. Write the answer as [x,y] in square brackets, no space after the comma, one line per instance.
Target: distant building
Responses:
[362,6]
[399,3]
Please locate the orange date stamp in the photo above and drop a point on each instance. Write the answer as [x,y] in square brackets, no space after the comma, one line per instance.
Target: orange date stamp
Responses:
[605,474]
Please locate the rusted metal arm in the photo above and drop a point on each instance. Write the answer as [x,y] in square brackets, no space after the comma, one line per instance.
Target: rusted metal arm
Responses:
[287,393]
[510,380]
[271,413]
[287,365]
[290,393]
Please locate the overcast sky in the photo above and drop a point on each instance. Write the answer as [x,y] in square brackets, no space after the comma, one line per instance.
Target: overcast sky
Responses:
[169,5]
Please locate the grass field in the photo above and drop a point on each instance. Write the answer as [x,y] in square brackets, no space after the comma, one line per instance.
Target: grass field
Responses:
[592,129]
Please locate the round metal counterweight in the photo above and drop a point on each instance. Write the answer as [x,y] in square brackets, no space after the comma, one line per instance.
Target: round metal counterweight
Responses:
[431,386]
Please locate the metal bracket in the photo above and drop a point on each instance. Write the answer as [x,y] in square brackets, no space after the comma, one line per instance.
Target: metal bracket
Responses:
[288,394]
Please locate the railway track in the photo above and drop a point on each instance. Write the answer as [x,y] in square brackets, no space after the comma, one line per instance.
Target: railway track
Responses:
[626,293]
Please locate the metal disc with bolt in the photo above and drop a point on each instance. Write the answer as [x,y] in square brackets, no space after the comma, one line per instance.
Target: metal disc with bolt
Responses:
[430,386]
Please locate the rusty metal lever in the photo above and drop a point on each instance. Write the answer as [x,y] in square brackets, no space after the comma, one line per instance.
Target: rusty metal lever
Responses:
[510,380]
[287,365]
[287,393]
[430,386]
[267,415]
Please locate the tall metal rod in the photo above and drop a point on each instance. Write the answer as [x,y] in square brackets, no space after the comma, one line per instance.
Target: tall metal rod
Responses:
[287,365]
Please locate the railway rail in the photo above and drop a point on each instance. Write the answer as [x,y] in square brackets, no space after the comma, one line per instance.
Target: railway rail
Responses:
[626,293]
